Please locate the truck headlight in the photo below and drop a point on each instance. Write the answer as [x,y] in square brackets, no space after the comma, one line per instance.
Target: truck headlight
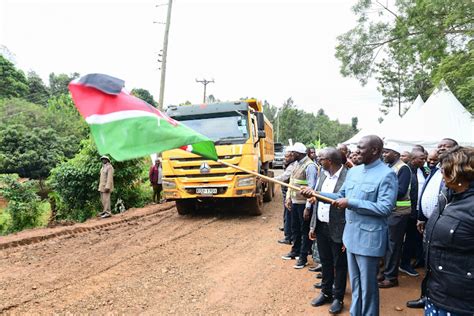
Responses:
[245,182]
[169,184]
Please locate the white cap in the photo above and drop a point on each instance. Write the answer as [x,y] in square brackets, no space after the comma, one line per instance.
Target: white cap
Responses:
[105,157]
[393,146]
[288,149]
[299,148]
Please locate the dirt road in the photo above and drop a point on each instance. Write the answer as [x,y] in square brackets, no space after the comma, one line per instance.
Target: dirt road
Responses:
[163,263]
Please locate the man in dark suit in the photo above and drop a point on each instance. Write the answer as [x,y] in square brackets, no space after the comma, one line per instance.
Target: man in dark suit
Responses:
[327,226]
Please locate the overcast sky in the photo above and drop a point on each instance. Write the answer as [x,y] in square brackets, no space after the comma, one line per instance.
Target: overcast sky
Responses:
[270,50]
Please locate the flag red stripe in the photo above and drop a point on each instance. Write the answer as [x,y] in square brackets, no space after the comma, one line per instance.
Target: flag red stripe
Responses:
[90,101]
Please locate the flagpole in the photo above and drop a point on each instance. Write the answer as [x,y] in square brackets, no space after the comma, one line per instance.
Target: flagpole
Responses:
[316,195]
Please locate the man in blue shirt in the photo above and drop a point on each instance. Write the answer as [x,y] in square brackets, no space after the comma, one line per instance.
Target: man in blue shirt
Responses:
[369,195]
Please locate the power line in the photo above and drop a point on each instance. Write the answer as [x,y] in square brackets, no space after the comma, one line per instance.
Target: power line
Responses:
[205,83]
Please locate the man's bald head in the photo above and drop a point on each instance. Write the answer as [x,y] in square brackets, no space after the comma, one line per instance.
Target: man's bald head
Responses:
[433,158]
[418,158]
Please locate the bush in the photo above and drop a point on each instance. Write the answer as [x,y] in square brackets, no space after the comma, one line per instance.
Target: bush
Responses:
[23,204]
[76,181]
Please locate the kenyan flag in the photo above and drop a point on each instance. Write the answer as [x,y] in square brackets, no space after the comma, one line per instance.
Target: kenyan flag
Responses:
[127,127]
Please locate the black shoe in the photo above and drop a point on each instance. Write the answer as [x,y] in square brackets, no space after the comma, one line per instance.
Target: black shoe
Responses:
[284,241]
[319,275]
[336,306]
[290,256]
[321,300]
[281,228]
[318,285]
[316,268]
[300,264]
[419,303]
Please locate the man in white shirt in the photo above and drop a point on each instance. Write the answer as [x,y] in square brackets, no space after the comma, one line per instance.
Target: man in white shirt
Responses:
[327,225]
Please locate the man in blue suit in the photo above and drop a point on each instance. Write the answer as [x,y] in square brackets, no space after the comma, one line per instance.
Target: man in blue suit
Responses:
[369,195]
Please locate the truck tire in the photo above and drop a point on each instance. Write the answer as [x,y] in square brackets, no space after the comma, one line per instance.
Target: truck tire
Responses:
[255,204]
[185,206]
[268,196]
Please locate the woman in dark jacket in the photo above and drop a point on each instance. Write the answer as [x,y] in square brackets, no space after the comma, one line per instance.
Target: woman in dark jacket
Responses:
[449,239]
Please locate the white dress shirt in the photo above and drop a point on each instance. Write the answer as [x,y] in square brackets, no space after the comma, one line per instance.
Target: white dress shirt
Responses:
[421,181]
[328,186]
[429,199]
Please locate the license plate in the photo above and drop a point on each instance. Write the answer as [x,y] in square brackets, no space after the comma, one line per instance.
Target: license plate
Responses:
[206,191]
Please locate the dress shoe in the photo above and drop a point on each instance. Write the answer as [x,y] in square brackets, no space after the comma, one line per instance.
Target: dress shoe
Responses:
[281,228]
[336,306]
[321,300]
[318,276]
[419,303]
[316,268]
[318,285]
[284,241]
[380,277]
[385,284]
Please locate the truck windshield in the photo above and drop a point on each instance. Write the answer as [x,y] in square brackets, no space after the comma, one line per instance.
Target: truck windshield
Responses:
[232,129]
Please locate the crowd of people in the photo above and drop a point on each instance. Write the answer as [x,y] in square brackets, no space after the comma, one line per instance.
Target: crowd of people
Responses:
[379,211]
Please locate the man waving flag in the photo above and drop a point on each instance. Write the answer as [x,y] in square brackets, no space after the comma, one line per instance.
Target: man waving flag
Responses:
[127,127]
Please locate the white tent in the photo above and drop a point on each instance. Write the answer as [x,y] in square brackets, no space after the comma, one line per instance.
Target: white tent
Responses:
[442,116]
[391,120]
[417,104]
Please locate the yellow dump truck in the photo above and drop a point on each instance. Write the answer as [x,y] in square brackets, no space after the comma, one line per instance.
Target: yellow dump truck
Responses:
[243,136]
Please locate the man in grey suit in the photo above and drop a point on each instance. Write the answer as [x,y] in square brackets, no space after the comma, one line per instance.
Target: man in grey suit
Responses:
[368,195]
[327,226]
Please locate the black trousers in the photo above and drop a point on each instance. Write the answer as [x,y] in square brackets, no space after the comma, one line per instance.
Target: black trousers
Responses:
[413,244]
[396,231]
[300,230]
[333,262]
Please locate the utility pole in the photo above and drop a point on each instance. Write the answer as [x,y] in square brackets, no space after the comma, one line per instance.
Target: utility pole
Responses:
[165,53]
[205,83]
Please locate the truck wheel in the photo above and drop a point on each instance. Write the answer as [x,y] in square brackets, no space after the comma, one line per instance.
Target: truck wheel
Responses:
[267,197]
[255,204]
[185,206]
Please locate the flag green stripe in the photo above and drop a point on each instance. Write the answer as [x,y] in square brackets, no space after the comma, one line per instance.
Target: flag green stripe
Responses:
[140,136]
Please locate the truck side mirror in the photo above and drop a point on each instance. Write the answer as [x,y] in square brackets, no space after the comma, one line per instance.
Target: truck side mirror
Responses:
[260,124]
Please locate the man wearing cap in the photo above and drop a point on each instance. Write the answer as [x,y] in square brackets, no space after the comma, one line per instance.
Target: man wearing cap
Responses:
[106,186]
[155,176]
[397,221]
[304,174]
[289,165]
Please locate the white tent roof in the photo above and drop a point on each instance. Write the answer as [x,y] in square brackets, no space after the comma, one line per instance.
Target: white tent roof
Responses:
[417,104]
[391,120]
[442,116]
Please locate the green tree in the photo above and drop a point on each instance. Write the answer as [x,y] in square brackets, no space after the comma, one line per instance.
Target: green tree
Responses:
[29,145]
[145,95]
[458,71]
[13,82]
[37,91]
[23,203]
[58,84]
[403,45]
